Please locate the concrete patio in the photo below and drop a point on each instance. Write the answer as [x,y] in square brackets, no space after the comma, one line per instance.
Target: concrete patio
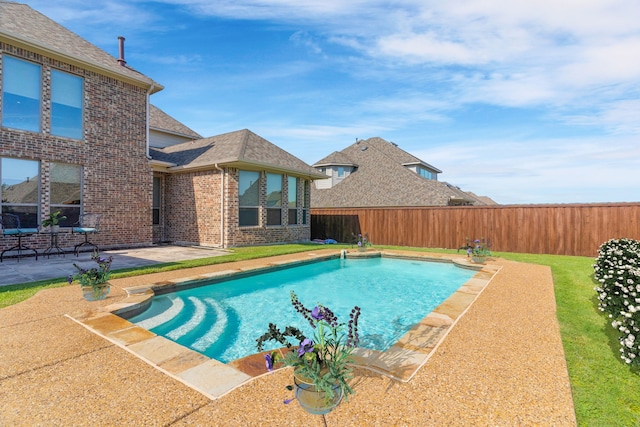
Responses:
[27,269]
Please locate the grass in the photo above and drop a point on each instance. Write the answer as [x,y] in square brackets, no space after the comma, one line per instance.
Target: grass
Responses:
[605,391]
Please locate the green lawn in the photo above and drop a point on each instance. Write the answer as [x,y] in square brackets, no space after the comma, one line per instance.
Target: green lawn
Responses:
[605,391]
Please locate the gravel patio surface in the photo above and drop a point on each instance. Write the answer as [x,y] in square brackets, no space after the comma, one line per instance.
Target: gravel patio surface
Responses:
[502,364]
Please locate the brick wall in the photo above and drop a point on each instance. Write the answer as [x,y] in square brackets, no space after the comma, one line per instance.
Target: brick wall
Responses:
[241,236]
[192,208]
[117,178]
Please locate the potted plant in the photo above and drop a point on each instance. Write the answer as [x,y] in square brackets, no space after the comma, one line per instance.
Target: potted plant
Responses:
[362,241]
[94,281]
[53,221]
[321,362]
[478,250]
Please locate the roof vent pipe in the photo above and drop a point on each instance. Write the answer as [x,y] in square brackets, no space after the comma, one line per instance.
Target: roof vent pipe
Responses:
[121,60]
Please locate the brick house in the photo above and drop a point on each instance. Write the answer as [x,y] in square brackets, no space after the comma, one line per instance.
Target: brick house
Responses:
[75,136]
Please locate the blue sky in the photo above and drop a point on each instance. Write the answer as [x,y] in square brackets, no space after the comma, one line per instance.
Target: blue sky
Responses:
[525,102]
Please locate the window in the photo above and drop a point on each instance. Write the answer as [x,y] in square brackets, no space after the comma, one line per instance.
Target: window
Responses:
[66,105]
[20,94]
[66,191]
[155,208]
[425,173]
[19,189]
[340,171]
[303,195]
[249,197]
[274,199]
[293,199]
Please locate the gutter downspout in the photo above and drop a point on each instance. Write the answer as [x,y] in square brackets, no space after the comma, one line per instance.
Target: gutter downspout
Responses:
[148,118]
[221,205]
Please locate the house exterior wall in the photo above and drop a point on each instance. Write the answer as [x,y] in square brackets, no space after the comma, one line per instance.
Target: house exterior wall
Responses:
[117,178]
[192,208]
[261,234]
[163,139]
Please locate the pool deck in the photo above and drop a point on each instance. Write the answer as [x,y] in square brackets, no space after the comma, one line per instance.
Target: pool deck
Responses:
[490,355]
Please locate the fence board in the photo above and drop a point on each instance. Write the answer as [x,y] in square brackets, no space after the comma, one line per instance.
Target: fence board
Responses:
[572,229]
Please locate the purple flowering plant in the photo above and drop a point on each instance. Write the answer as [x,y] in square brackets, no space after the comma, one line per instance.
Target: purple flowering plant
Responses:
[361,240]
[478,247]
[95,276]
[324,358]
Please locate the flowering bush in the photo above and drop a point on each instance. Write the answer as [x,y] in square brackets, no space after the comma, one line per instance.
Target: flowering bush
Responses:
[322,359]
[478,248]
[361,240]
[95,276]
[617,269]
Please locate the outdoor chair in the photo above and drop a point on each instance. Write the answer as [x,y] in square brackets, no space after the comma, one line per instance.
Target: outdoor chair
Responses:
[87,224]
[11,228]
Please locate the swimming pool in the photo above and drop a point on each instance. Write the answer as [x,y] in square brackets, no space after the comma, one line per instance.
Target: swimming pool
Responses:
[224,319]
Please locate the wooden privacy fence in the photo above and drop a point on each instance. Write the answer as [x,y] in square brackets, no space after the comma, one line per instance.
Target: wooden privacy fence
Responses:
[572,229]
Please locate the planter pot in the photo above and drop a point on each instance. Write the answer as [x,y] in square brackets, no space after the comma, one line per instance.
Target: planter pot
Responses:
[362,249]
[479,259]
[315,401]
[96,293]
[55,228]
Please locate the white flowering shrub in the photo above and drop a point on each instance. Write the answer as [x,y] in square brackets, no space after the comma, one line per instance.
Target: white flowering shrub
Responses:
[617,270]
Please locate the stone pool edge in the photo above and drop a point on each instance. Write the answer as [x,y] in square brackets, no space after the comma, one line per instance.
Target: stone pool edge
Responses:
[214,379]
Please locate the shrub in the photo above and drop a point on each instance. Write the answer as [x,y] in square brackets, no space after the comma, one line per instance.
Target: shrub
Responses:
[617,269]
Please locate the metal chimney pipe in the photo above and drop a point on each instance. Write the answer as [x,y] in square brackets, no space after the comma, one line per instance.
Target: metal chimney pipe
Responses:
[121,60]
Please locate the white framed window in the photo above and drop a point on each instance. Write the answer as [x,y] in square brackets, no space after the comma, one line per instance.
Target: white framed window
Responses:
[21,94]
[66,105]
[249,198]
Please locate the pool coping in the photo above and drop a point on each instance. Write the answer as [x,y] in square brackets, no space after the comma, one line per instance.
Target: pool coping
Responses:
[214,379]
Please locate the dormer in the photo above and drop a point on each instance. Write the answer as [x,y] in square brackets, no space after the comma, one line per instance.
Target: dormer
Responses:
[337,167]
[423,169]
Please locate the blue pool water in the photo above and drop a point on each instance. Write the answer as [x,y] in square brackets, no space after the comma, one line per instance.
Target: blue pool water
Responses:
[223,320]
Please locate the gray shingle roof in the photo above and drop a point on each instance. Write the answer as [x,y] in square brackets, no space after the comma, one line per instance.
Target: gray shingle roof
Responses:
[158,119]
[21,24]
[382,180]
[242,149]
[336,158]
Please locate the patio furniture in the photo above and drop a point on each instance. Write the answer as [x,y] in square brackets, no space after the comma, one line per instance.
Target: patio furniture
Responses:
[11,228]
[87,224]
[54,247]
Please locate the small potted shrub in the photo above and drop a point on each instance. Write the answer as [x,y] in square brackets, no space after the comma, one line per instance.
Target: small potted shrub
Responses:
[53,221]
[320,362]
[93,281]
[361,241]
[478,250]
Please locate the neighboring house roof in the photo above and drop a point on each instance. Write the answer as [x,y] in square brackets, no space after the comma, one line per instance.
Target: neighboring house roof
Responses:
[25,27]
[335,159]
[159,120]
[396,153]
[242,149]
[383,180]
